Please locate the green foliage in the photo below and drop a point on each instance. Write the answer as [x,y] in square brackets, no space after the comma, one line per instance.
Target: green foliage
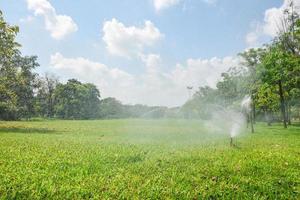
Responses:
[16,76]
[199,105]
[231,88]
[75,100]
[111,108]
[267,97]
[275,66]
[25,84]
[8,108]
[45,98]
[269,75]
[228,94]
[8,46]
[251,60]
[252,79]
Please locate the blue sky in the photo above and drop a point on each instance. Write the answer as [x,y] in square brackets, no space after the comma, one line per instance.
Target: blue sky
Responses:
[141,51]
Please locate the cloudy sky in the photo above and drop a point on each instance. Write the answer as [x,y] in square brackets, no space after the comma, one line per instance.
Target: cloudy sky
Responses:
[142,51]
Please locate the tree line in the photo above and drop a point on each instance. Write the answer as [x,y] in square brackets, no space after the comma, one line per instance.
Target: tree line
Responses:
[25,94]
[270,75]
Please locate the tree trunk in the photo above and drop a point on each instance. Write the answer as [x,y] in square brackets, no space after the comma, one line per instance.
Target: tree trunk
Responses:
[253,109]
[287,113]
[251,122]
[289,110]
[254,112]
[267,117]
[282,104]
[248,120]
[50,104]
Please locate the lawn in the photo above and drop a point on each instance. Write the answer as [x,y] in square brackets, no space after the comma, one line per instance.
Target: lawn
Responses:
[146,159]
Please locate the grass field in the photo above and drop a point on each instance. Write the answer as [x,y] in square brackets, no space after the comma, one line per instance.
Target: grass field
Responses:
[146,159]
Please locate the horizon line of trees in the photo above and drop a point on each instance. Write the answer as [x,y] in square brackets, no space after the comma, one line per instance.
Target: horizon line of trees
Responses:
[25,94]
[270,75]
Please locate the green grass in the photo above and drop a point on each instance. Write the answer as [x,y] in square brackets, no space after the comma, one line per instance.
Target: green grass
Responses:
[146,159]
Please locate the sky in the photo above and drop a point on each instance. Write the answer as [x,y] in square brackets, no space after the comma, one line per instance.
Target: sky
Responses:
[142,51]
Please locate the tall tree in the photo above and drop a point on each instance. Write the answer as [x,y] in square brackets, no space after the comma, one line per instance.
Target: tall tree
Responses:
[289,41]
[275,68]
[25,84]
[16,75]
[251,60]
[231,88]
[8,48]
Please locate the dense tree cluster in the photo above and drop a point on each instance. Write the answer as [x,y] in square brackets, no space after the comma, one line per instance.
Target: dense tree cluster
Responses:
[23,94]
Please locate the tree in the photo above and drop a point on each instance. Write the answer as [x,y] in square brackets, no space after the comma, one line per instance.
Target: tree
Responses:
[8,45]
[8,104]
[45,98]
[111,108]
[251,60]
[8,48]
[91,105]
[25,84]
[275,68]
[18,80]
[199,105]
[231,88]
[289,31]
[75,100]
[289,41]
[267,100]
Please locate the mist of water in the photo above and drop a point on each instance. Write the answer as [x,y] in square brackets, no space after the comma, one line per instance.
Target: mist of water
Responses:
[226,121]
[223,122]
[229,121]
[246,104]
[239,119]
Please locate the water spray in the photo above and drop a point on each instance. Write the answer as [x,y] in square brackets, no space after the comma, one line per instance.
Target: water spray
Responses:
[232,119]
[246,108]
[238,122]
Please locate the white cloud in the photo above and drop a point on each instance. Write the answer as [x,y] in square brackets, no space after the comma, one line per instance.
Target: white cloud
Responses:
[111,81]
[157,87]
[129,41]
[200,72]
[164,4]
[253,37]
[154,86]
[59,26]
[152,62]
[271,24]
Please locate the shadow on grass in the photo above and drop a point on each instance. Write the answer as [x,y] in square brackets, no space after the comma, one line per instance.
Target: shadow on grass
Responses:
[296,124]
[26,130]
